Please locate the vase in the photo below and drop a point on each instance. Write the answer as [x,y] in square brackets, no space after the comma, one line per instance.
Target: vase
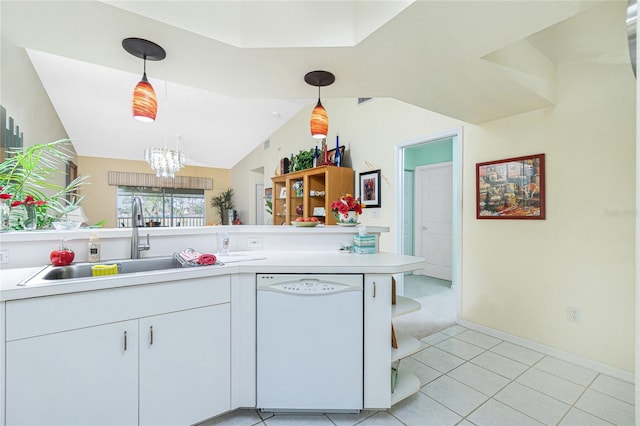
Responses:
[351,218]
[5,212]
[30,219]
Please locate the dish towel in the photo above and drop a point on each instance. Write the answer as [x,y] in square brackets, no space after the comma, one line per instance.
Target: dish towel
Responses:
[191,257]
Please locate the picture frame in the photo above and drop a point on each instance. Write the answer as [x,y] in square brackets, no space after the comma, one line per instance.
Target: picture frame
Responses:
[370,189]
[283,192]
[331,155]
[513,188]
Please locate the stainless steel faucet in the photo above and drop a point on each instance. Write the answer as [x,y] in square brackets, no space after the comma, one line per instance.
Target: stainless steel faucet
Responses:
[137,220]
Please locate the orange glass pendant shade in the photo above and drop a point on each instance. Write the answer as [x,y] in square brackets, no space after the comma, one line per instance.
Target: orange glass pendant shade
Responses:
[319,122]
[319,118]
[145,103]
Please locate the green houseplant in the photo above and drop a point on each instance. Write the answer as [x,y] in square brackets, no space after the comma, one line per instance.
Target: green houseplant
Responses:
[223,202]
[27,185]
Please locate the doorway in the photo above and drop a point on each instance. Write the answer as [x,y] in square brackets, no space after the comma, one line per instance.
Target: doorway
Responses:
[415,161]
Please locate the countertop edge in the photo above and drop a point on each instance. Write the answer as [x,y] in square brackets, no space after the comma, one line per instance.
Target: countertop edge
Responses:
[276,262]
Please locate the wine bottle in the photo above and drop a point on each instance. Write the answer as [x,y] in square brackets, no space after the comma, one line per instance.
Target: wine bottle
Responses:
[315,157]
[337,158]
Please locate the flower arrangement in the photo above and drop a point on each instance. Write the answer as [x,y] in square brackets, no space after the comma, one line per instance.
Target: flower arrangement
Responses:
[344,204]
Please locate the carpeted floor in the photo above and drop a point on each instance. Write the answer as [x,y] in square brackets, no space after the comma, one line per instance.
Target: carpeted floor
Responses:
[438,306]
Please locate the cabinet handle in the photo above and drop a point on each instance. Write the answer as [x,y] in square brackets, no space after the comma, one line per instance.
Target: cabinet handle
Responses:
[374,289]
[151,335]
[125,340]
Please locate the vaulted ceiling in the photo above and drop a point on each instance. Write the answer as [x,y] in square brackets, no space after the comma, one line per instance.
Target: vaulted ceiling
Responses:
[234,69]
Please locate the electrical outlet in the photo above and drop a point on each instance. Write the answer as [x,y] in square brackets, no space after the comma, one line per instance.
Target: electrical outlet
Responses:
[254,242]
[4,256]
[574,314]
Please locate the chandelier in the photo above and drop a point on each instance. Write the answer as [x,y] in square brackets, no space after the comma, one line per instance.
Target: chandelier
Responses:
[166,162]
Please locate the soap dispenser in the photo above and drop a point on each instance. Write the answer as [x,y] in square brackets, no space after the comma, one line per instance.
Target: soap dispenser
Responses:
[94,248]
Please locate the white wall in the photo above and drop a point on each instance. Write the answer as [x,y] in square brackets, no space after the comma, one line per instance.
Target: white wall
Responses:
[519,277]
[26,101]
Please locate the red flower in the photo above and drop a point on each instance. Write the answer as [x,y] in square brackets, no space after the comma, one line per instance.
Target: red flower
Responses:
[4,196]
[345,204]
[29,200]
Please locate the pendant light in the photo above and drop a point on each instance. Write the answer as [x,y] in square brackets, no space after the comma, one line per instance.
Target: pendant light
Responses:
[319,119]
[145,104]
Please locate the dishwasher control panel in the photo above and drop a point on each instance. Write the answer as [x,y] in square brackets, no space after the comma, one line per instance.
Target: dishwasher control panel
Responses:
[309,287]
[309,284]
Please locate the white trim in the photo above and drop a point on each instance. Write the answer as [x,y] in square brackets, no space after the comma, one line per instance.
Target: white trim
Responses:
[456,134]
[548,350]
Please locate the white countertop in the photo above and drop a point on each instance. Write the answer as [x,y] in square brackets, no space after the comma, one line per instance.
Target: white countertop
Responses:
[274,262]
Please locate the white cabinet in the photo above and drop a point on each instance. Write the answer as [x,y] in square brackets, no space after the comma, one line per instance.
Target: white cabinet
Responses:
[379,354]
[89,358]
[184,366]
[81,377]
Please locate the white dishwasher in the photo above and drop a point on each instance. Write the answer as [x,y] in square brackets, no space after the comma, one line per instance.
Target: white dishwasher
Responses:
[309,342]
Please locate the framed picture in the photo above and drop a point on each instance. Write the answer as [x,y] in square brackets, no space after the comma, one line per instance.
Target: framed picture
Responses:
[283,192]
[332,155]
[513,188]
[370,188]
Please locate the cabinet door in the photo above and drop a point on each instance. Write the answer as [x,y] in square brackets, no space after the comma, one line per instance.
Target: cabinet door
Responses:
[78,377]
[377,341]
[185,366]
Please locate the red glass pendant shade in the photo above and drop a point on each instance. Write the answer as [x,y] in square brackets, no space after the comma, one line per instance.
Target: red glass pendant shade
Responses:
[319,122]
[145,103]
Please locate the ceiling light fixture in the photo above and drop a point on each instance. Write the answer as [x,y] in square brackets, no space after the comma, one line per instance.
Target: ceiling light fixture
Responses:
[319,118]
[145,104]
[166,162]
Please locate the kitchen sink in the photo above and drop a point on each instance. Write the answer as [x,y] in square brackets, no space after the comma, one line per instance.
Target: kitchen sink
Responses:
[83,270]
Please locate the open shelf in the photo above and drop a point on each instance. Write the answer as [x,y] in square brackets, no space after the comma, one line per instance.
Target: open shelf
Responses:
[404,306]
[407,346]
[408,384]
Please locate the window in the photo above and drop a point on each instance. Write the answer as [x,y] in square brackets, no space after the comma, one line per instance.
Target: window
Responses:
[162,206]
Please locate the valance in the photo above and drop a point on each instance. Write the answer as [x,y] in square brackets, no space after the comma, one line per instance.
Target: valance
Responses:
[151,180]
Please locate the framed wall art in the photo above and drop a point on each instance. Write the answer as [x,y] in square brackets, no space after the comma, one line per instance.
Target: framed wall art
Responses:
[513,188]
[370,189]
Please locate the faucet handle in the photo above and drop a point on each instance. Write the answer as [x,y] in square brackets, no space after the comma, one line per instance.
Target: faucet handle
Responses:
[145,246]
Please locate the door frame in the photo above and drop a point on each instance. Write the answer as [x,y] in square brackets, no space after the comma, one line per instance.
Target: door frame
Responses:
[399,151]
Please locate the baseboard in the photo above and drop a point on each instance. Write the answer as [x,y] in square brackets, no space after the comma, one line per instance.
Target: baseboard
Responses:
[548,350]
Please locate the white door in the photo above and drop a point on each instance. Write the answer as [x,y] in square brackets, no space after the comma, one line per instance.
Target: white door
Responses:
[79,377]
[185,366]
[433,218]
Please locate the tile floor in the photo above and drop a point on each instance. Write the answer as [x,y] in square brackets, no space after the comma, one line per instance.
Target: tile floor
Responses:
[470,378]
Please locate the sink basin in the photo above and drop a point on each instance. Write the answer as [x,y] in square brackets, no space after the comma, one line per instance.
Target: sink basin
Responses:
[83,270]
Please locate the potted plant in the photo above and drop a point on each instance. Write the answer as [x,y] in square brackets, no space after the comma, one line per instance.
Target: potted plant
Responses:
[30,199]
[224,202]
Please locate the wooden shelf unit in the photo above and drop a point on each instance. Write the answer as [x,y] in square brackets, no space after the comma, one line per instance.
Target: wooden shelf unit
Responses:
[330,180]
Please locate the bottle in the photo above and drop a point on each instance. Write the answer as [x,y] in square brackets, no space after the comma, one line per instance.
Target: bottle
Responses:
[337,157]
[94,249]
[291,166]
[315,157]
